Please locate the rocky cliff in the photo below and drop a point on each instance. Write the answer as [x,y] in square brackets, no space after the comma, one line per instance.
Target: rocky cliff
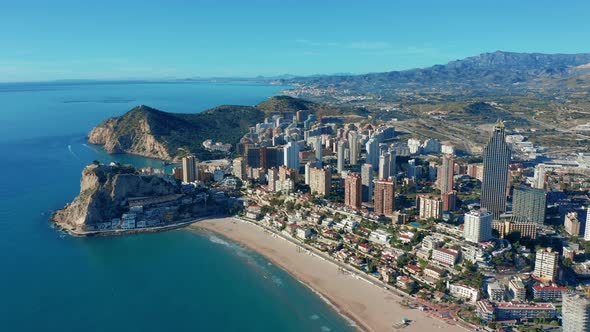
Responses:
[103,192]
[151,133]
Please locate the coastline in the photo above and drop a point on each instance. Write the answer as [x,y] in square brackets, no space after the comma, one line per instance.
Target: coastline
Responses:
[366,304]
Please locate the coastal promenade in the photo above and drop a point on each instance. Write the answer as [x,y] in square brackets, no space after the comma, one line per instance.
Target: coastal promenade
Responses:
[371,304]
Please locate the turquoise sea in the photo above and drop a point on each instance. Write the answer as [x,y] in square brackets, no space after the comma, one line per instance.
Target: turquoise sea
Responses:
[173,281]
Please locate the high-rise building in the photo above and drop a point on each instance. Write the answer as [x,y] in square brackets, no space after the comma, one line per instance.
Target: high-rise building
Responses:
[239,168]
[367,182]
[587,229]
[317,146]
[291,158]
[320,181]
[413,170]
[575,313]
[353,142]
[340,156]
[529,204]
[392,161]
[540,177]
[384,164]
[546,265]
[449,200]
[273,177]
[429,207]
[572,224]
[352,191]
[496,158]
[478,226]
[446,173]
[253,156]
[384,201]
[372,147]
[189,169]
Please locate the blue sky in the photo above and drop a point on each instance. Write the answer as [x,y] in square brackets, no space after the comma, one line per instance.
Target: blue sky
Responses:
[59,39]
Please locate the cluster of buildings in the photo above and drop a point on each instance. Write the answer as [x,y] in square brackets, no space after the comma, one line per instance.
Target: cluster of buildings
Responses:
[352,183]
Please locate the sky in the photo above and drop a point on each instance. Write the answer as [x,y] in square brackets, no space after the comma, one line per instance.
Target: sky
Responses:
[127,39]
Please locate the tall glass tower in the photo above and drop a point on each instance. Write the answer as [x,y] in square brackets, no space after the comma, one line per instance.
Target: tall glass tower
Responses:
[496,158]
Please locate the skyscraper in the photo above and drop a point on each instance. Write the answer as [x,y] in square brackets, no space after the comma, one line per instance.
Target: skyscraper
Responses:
[340,156]
[317,146]
[367,182]
[576,313]
[352,191]
[446,173]
[587,230]
[529,204]
[353,142]
[384,201]
[384,164]
[496,158]
[189,169]
[239,168]
[449,200]
[392,161]
[478,226]
[540,177]
[291,157]
[546,265]
[372,147]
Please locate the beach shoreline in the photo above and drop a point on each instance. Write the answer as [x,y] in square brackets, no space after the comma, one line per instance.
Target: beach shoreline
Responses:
[366,305]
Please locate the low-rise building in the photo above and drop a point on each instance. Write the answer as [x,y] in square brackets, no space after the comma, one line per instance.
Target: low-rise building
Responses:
[495,292]
[463,291]
[406,283]
[380,236]
[548,293]
[488,311]
[303,233]
[446,257]
[434,272]
[517,289]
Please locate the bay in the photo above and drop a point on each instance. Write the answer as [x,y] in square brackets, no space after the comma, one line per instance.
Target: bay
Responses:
[178,281]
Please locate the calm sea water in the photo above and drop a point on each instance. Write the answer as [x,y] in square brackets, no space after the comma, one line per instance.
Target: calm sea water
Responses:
[174,281]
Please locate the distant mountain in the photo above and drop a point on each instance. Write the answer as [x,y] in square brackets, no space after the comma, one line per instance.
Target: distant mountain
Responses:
[485,73]
[156,134]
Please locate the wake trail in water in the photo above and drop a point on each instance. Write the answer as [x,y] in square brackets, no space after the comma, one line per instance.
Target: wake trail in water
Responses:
[72,152]
[91,148]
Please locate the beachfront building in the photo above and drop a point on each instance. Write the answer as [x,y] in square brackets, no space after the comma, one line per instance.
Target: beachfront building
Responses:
[489,311]
[465,292]
[189,169]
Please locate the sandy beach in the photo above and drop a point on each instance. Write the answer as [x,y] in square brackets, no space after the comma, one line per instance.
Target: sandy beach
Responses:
[371,307]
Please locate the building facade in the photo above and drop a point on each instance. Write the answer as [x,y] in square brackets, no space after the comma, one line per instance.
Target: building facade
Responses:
[546,265]
[496,158]
[529,204]
[384,201]
[352,191]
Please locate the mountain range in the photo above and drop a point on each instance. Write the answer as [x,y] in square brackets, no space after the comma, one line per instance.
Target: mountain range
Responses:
[488,73]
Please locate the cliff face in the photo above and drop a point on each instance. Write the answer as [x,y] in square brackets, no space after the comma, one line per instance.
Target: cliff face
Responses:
[103,191]
[152,133]
[117,136]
